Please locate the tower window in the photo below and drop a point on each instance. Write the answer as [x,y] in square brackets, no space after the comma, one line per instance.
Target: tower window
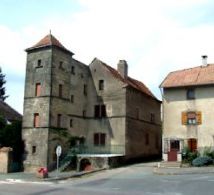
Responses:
[72,98]
[59,118]
[33,149]
[38,89]
[39,63]
[61,65]
[36,120]
[85,89]
[72,70]
[101,84]
[71,122]
[60,90]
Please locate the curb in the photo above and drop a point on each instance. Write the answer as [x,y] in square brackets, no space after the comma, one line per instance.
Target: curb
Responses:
[78,174]
[180,171]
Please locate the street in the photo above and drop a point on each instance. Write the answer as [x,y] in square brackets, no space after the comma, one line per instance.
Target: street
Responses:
[130,180]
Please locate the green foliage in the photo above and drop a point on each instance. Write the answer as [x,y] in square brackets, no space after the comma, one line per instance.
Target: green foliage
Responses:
[202,161]
[189,156]
[208,151]
[72,140]
[10,136]
[2,88]
[61,132]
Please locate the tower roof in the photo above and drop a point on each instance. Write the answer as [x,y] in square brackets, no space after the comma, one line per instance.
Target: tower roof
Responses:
[48,40]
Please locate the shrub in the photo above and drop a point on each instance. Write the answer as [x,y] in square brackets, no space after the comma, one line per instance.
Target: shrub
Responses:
[201,161]
[188,156]
[208,151]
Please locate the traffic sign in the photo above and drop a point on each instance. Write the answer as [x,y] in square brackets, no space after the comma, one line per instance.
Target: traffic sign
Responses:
[58,150]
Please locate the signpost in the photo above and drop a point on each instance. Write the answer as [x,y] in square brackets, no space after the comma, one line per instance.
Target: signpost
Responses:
[58,153]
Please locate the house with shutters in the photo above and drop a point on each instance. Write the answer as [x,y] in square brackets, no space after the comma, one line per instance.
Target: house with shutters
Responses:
[188,115]
[112,113]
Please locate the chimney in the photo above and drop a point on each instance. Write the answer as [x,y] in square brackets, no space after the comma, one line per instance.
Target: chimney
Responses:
[204,60]
[122,68]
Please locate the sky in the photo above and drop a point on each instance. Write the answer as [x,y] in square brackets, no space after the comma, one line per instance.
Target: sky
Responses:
[154,37]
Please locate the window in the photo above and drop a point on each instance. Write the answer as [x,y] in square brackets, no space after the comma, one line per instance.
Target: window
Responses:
[60,90]
[83,113]
[71,122]
[99,139]
[72,70]
[72,98]
[36,120]
[99,111]
[174,145]
[101,84]
[190,94]
[152,118]
[59,118]
[147,139]
[191,118]
[60,65]
[85,89]
[38,89]
[39,63]
[33,149]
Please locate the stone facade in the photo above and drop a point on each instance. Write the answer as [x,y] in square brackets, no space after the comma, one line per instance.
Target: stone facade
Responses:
[95,102]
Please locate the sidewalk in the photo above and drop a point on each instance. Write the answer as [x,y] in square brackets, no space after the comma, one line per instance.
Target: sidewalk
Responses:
[52,176]
[183,170]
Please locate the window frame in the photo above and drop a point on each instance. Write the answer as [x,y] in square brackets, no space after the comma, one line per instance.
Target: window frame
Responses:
[38,89]
[99,139]
[36,120]
[190,94]
[101,85]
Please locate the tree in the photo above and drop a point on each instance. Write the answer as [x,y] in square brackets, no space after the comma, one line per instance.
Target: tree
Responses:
[2,88]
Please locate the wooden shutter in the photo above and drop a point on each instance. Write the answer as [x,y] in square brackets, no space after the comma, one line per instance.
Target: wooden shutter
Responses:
[96,139]
[38,89]
[36,120]
[198,118]
[102,139]
[184,118]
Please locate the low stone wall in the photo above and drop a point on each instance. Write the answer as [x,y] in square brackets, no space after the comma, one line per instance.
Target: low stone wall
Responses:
[5,159]
[93,162]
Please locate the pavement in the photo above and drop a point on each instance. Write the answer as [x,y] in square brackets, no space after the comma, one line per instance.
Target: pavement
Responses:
[53,176]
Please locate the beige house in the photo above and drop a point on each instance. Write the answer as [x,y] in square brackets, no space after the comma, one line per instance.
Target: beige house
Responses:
[188,114]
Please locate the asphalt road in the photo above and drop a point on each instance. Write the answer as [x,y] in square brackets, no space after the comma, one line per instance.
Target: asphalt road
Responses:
[132,180]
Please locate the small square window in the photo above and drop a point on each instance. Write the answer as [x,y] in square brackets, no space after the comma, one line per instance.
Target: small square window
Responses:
[39,63]
[72,70]
[71,122]
[33,149]
[72,98]
[101,84]
[190,94]
[60,65]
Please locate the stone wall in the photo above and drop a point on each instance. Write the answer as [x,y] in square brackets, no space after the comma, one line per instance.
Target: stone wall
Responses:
[5,159]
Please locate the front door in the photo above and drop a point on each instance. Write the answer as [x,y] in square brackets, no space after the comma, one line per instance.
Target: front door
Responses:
[174,148]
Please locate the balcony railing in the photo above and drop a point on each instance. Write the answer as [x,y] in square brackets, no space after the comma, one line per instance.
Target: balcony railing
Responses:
[91,149]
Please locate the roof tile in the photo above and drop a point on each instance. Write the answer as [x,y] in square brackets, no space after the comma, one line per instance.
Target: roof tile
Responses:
[201,75]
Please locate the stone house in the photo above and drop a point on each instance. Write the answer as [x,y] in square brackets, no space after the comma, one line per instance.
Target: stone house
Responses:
[111,112]
[188,99]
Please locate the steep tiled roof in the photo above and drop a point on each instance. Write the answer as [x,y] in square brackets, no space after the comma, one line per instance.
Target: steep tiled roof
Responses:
[128,80]
[201,75]
[8,112]
[48,40]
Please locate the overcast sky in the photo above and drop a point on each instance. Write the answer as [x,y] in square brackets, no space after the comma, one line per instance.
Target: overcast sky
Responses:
[153,36]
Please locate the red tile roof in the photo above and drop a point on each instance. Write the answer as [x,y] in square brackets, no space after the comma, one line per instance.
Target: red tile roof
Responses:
[201,75]
[48,40]
[128,80]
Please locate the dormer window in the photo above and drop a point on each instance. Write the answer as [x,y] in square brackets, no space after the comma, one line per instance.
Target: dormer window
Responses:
[190,94]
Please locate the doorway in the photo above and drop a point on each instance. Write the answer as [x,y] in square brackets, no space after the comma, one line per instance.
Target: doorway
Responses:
[174,148]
